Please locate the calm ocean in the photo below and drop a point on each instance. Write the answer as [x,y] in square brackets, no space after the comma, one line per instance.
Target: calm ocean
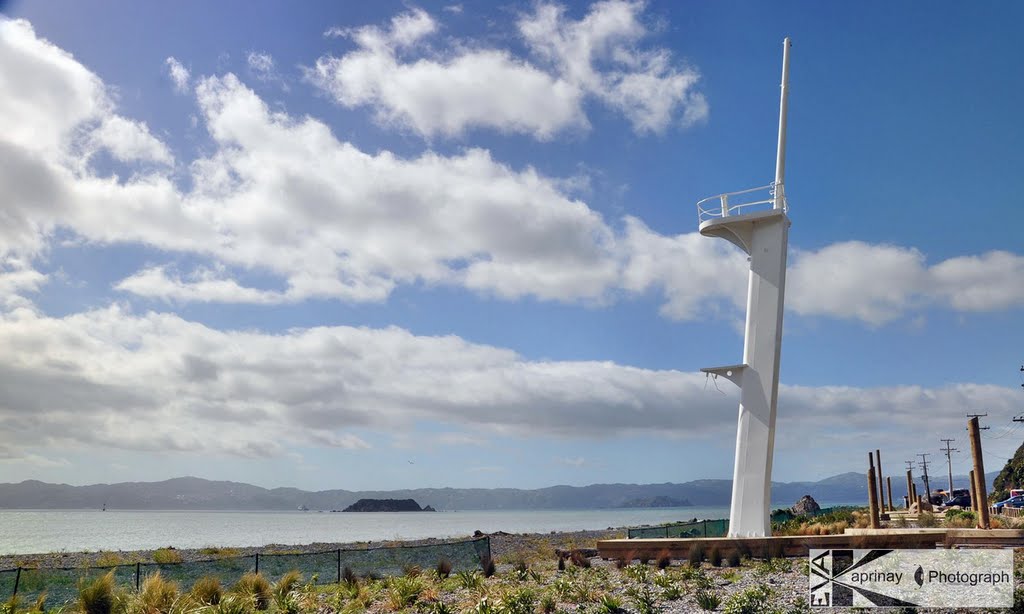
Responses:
[32,531]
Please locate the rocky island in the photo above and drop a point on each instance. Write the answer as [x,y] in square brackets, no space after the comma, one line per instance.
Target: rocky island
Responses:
[387,505]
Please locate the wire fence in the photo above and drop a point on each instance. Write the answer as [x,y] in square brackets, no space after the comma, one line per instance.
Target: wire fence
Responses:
[712,528]
[61,583]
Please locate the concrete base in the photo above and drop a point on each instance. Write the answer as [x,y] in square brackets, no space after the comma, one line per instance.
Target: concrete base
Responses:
[800,545]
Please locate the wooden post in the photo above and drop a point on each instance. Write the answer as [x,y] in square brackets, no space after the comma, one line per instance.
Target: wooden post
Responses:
[881,482]
[872,495]
[974,496]
[979,473]
[915,498]
[910,489]
[888,483]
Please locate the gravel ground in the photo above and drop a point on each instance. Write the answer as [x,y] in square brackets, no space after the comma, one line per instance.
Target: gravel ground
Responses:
[788,586]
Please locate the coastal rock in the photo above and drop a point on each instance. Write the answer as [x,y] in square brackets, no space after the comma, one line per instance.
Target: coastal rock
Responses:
[806,505]
[387,505]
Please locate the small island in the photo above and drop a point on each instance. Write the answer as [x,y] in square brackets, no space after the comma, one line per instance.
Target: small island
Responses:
[387,505]
[660,501]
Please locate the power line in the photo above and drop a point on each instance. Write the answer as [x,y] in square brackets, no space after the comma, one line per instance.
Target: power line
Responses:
[924,466]
[949,461]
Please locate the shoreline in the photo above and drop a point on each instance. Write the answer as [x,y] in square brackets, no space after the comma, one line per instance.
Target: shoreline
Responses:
[502,545]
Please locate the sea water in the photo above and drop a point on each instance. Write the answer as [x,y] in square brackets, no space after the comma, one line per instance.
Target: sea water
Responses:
[36,531]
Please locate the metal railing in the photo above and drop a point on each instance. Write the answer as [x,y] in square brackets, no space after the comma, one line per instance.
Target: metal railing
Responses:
[722,205]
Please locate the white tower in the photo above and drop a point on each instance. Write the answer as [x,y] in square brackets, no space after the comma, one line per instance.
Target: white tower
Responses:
[756,221]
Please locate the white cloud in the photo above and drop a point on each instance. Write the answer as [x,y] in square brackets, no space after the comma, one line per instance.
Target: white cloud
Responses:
[280,197]
[880,283]
[179,75]
[129,141]
[261,65]
[474,86]
[156,382]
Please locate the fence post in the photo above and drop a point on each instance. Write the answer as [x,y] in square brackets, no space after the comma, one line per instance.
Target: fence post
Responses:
[339,565]
[17,579]
[138,574]
[257,562]
[705,527]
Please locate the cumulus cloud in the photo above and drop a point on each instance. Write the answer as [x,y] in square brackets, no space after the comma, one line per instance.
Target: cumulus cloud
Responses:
[157,382]
[179,74]
[595,57]
[880,283]
[279,198]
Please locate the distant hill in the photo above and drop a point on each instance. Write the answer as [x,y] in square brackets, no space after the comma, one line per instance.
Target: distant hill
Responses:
[657,502]
[199,494]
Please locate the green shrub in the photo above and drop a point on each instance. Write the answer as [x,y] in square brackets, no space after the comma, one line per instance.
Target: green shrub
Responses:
[926,520]
[470,580]
[519,601]
[207,590]
[548,603]
[643,598]
[166,555]
[403,591]
[609,604]
[755,600]
[707,600]
[287,584]
[97,597]
[255,587]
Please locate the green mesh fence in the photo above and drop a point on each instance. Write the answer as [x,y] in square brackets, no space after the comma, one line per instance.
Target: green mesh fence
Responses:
[698,528]
[714,528]
[227,570]
[61,584]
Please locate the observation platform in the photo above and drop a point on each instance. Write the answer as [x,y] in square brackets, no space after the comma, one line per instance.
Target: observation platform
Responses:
[733,215]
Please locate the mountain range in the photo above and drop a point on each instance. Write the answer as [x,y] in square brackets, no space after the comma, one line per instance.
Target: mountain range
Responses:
[190,493]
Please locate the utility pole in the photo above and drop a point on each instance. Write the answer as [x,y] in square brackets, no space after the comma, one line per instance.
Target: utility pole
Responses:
[927,487]
[981,428]
[979,472]
[949,461]
[910,482]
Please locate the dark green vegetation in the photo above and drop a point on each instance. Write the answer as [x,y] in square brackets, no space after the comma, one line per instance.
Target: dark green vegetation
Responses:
[1011,476]
[387,505]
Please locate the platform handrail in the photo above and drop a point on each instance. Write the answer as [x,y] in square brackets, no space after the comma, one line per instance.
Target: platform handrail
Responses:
[719,206]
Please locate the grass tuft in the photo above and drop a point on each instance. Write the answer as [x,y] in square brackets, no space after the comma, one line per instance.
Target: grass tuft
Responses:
[255,587]
[444,568]
[487,565]
[695,556]
[97,597]
[166,555]
[157,595]
[207,590]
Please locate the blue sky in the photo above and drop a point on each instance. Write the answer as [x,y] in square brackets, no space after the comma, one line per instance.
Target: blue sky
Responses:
[405,244]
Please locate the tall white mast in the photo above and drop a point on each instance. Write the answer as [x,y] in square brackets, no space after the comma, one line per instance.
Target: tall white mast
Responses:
[756,221]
